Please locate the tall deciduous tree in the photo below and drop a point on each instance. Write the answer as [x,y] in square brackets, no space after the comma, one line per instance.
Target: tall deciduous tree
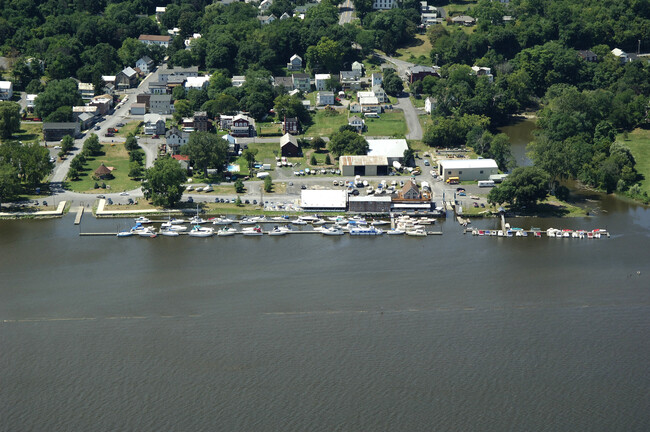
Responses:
[163,183]
[9,182]
[524,186]
[206,150]
[347,143]
[63,93]
[9,119]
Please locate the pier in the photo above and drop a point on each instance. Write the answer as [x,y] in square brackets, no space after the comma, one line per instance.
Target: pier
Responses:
[266,233]
[80,212]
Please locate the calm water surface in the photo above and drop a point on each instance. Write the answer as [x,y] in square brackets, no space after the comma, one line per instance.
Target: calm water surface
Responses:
[305,333]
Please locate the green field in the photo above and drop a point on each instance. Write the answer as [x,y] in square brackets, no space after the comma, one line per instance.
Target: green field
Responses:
[390,124]
[325,124]
[130,127]
[417,52]
[639,143]
[28,132]
[115,156]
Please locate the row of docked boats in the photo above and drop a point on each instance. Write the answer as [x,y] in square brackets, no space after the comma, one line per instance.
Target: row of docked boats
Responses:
[536,232]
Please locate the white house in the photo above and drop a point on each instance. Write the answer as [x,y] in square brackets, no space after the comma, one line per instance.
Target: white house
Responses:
[320,81]
[238,80]
[295,63]
[163,41]
[357,123]
[325,98]
[30,98]
[384,4]
[284,16]
[138,109]
[355,107]
[160,11]
[430,104]
[154,124]
[622,55]
[467,169]
[483,71]
[377,79]
[175,138]
[197,83]
[265,5]
[370,104]
[145,64]
[266,19]
[86,90]
[357,67]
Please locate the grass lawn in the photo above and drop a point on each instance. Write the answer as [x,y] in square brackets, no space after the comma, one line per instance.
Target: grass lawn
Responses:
[417,52]
[269,129]
[391,123]
[115,156]
[130,127]
[326,124]
[417,102]
[639,143]
[28,132]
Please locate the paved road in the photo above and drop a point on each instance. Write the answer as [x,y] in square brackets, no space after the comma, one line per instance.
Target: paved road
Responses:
[346,9]
[400,65]
[411,116]
[120,114]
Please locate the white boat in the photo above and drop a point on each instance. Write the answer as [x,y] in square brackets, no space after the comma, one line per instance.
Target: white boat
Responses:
[169,226]
[298,222]
[175,221]
[254,231]
[226,231]
[280,219]
[260,219]
[379,222]
[319,222]
[146,232]
[395,231]
[247,221]
[197,220]
[366,231]
[279,230]
[308,219]
[551,232]
[338,219]
[426,221]
[169,233]
[332,231]
[199,231]
[143,220]
[222,221]
[125,233]
[417,233]
[500,233]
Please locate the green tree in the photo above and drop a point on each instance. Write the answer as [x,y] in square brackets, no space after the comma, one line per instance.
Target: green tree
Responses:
[57,94]
[327,54]
[73,173]
[348,143]
[76,163]
[524,186]
[318,144]
[313,160]
[268,184]
[34,163]
[328,160]
[92,145]
[9,182]
[9,119]
[290,106]
[239,186]
[163,182]
[249,157]
[206,151]
[131,143]
[136,156]
[182,109]
[219,81]
[238,202]
[60,115]
[67,143]
[135,170]
[393,84]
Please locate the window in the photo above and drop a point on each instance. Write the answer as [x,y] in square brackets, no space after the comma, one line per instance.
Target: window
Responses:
[481,171]
[460,172]
[449,172]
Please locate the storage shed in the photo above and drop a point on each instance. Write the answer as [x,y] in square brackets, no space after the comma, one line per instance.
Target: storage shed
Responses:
[467,169]
[363,165]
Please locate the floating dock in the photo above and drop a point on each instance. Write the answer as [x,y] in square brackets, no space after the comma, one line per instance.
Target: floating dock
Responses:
[80,213]
[114,234]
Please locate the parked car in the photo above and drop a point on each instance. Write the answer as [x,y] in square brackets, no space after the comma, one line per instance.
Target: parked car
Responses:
[190,199]
[98,127]
[101,196]
[303,187]
[155,137]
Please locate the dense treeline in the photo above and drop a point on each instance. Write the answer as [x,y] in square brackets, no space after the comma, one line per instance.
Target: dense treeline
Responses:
[535,65]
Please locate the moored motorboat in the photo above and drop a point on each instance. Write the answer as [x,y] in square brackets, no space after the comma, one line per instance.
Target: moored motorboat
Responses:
[332,231]
[197,220]
[142,220]
[417,233]
[172,227]
[378,222]
[146,232]
[222,221]
[254,231]
[169,233]
[125,233]
[366,231]
[226,231]
[246,221]
[279,231]
[176,221]
[395,231]
[199,231]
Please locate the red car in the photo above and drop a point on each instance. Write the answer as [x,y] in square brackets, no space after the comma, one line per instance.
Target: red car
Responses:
[155,137]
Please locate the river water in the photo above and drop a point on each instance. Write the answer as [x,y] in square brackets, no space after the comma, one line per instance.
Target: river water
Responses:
[307,333]
[303,332]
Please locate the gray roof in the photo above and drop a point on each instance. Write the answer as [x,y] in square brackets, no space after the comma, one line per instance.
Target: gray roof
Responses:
[146,59]
[129,71]
[326,93]
[64,125]
[350,75]
[300,76]
[420,69]
[283,81]
[85,117]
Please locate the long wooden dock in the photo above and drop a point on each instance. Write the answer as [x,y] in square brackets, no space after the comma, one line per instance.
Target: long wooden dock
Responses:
[114,234]
[80,213]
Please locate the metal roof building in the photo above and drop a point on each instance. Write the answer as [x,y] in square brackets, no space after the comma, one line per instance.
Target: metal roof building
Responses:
[323,200]
[363,165]
[467,169]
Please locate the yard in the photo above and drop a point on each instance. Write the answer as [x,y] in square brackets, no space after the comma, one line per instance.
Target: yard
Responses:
[325,122]
[417,52]
[116,156]
[390,123]
[29,132]
[639,143]
[269,129]
[130,127]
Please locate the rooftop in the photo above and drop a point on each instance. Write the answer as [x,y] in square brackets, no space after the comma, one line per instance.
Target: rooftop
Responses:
[363,160]
[392,148]
[467,163]
[157,38]
[327,198]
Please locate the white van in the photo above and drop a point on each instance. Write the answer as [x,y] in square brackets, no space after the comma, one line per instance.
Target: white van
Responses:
[485,183]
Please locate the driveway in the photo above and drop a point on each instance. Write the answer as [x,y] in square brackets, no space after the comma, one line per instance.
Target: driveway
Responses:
[411,116]
[400,65]
[346,9]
